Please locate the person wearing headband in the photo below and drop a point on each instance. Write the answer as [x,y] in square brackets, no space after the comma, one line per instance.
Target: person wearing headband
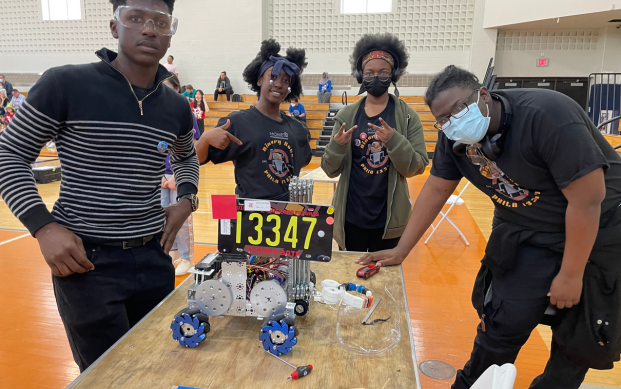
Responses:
[376,143]
[266,146]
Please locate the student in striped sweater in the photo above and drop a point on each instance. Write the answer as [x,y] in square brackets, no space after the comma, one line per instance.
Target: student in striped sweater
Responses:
[107,238]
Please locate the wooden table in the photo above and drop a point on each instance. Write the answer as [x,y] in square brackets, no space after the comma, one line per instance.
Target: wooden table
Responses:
[318,175]
[230,356]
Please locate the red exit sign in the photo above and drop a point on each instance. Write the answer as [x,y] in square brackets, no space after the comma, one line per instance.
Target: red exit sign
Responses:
[542,62]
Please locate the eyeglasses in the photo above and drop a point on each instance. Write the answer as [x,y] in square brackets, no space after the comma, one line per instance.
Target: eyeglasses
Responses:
[369,76]
[137,18]
[456,113]
[487,168]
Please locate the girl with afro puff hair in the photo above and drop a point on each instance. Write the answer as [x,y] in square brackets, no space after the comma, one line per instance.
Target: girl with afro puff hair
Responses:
[376,144]
[266,146]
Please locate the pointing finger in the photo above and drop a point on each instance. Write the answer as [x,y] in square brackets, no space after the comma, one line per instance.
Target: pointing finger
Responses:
[234,138]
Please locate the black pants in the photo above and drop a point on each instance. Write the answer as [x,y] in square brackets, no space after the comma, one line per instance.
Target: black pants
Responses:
[518,302]
[99,307]
[201,125]
[360,239]
[228,92]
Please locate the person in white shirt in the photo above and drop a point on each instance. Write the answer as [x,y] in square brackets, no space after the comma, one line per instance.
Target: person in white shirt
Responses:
[171,67]
[17,99]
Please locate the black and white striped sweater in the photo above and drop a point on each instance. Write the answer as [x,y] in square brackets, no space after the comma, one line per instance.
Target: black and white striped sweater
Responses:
[106,134]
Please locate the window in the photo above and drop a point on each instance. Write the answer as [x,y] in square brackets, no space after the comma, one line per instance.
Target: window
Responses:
[365,6]
[61,9]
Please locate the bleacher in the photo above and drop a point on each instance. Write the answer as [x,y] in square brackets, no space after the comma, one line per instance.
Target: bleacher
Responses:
[319,116]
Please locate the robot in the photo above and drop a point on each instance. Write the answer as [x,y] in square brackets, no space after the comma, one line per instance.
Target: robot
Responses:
[278,162]
[243,280]
[376,153]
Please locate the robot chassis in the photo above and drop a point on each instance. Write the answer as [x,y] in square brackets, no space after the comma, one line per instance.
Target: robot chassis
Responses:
[223,286]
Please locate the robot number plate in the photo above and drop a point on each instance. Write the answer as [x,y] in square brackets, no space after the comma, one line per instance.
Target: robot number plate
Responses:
[279,230]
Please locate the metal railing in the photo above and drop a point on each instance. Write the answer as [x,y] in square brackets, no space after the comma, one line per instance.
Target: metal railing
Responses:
[604,101]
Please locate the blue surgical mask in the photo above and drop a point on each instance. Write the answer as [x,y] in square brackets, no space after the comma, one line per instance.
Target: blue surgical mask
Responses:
[471,127]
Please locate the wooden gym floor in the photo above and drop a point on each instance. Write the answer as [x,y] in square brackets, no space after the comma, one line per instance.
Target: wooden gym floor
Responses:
[34,352]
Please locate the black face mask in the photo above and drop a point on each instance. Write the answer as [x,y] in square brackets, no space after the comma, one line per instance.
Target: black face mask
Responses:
[375,87]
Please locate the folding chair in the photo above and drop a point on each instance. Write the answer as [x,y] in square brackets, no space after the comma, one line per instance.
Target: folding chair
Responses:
[454,199]
[496,377]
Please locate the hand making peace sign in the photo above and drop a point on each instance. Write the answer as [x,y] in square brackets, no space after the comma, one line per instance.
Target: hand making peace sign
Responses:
[344,137]
[382,133]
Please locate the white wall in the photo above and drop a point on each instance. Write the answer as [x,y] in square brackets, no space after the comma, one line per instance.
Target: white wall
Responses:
[214,36]
[30,45]
[437,33]
[566,57]
[506,12]
[483,42]
[203,45]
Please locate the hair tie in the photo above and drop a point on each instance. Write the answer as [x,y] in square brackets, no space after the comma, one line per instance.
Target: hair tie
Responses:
[279,63]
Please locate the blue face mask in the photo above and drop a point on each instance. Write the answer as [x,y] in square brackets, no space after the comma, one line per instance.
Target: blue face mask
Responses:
[471,127]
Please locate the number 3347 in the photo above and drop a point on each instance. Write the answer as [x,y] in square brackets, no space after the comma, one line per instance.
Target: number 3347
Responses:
[290,236]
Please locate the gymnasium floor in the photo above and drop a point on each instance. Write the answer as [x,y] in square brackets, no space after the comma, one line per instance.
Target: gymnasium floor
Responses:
[34,352]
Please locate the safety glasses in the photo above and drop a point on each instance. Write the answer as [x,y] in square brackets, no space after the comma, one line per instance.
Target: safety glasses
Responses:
[487,168]
[137,18]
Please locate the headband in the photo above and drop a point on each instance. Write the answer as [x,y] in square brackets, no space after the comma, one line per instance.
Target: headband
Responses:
[378,54]
[279,63]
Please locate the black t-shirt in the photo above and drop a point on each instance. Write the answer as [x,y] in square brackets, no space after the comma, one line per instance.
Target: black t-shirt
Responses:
[550,142]
[272,152]
[368,183]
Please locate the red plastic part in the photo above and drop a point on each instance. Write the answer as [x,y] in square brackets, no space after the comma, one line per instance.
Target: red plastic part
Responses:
[367,271]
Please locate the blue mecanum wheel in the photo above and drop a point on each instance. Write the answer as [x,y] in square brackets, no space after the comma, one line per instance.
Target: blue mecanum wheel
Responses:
[278,337]
[189,327]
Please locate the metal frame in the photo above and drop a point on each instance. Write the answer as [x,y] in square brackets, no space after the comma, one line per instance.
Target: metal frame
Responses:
[445,216]
[598,79]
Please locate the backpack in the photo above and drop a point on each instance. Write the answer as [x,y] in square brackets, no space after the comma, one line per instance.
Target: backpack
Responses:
[237,98]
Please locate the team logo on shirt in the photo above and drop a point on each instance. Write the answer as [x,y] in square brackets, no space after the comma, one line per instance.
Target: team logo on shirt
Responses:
[279,161]
[376,154]
[510,190]
[198,112]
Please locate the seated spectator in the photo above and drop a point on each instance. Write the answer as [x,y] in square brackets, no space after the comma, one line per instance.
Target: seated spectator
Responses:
[4,102]
[6,85]
[325,89]
[296,109]
[223,85]
[171,67]
[189,92]
[17,99]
